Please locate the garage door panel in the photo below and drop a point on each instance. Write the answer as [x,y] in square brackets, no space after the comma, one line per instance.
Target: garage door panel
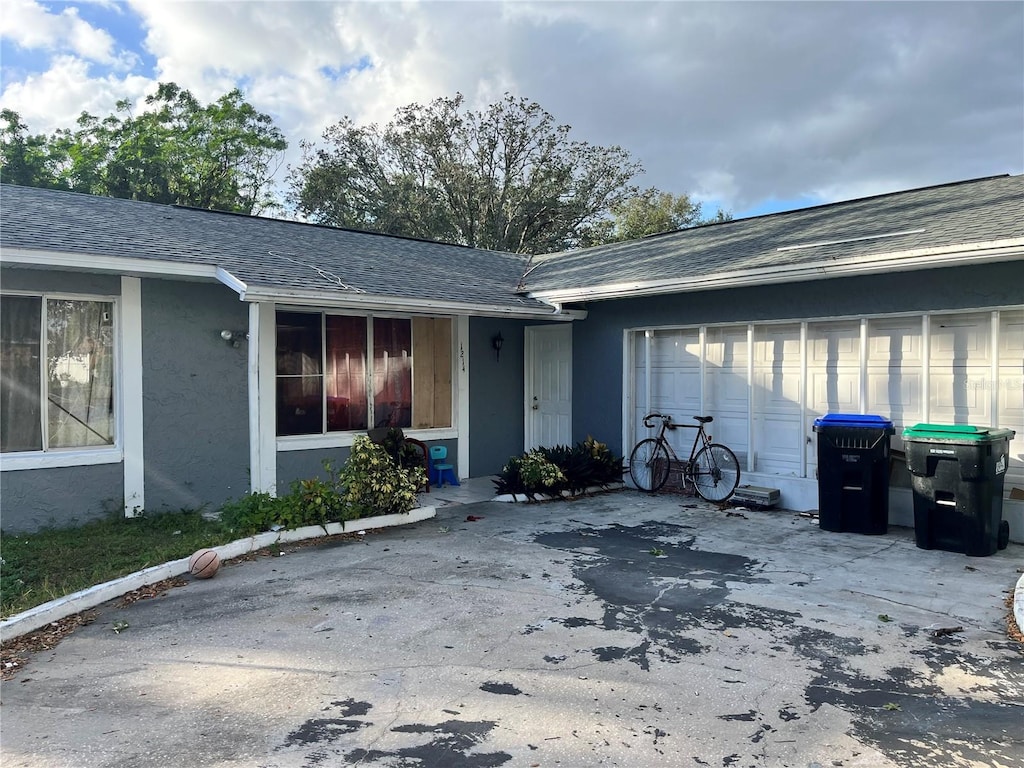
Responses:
[896,394]
[731,429]
[727,390]
[1011,338]
[777,345]
[777,392]
[777,440]
[960,339]
[894,342]
[726,347]
[961,397]
[675,389]
[833,344]
[675,348]
[835,392]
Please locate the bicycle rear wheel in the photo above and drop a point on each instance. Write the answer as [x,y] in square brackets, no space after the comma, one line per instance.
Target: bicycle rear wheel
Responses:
[716,473]
[648,465]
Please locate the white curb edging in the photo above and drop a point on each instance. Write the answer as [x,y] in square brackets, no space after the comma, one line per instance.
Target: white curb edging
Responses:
[62,607]
[522,497]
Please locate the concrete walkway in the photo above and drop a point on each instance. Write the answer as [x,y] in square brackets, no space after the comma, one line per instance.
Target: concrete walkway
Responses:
[621,629]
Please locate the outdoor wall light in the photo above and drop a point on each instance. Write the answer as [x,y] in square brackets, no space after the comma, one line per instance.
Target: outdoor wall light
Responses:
[496,342]
[234,338]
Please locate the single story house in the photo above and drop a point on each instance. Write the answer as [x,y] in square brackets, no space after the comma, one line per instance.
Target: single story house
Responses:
[163,357]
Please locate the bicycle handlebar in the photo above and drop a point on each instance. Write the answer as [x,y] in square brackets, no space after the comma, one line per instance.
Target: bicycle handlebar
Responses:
[666,420]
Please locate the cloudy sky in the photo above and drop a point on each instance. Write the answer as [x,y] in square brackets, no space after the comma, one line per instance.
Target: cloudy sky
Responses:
[754,106]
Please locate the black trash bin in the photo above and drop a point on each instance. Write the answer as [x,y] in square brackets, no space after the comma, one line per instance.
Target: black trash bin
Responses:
[957,475]
[853,472]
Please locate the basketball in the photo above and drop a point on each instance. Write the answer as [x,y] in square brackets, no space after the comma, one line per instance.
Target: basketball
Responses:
[204,564]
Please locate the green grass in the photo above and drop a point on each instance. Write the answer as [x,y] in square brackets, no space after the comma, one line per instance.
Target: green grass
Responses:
[38,567]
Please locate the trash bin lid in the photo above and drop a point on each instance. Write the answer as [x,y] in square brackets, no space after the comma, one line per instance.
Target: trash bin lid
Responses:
[847,420]
[955,433]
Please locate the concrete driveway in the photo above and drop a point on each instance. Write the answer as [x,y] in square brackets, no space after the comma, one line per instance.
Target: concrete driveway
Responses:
[616,630]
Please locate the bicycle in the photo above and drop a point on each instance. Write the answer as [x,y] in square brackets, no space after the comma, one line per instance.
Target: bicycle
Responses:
[713,469]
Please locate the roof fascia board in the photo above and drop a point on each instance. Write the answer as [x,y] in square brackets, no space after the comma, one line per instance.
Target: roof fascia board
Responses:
[401,304]
[122,265]
[232,282]
[899,261]
[94,263]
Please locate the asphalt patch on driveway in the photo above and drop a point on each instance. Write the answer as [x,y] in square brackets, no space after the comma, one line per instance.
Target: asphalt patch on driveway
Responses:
[448,747]
[654,584]
[448,744]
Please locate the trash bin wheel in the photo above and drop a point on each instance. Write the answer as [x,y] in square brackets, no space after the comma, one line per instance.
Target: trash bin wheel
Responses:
[1004,534]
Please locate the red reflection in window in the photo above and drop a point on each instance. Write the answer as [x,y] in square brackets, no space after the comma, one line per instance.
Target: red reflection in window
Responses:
[346,373]
[392,372]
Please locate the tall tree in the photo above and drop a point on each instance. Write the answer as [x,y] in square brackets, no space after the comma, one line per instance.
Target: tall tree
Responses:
[25,159]
[220,155]
[507,177]
[652,212]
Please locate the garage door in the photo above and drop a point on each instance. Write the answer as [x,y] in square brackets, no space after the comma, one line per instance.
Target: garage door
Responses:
[957,368]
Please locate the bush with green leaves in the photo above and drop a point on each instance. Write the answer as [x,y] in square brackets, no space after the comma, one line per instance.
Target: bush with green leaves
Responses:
[550,471]
[369,483]
[374,485]
[253,513]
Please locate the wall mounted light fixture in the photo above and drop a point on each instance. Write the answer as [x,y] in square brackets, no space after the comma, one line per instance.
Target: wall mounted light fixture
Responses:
[234,338]
[496,342]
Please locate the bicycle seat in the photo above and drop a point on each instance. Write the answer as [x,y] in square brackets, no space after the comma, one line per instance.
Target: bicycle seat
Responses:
[704,419]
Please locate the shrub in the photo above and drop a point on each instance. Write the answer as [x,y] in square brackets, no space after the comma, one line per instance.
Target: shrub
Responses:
[560,468]
[374,485]
[314,502]
[369,483]
[253,513]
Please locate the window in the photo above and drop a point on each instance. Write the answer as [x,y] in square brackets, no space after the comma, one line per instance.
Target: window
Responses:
[341,373]
[56,353]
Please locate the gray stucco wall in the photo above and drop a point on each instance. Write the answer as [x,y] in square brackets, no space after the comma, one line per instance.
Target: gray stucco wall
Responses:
[61,497]
[305,465]
[34,498]
[195,391]
[495,394]
[597,341]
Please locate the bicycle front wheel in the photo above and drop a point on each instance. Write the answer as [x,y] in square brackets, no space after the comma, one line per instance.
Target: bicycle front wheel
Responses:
[648,465]
[716,473]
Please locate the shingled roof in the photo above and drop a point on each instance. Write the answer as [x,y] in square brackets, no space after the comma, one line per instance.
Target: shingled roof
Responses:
[260,257]
[952,223]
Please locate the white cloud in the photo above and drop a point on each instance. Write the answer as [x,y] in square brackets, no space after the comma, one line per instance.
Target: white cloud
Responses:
[733,102]
[29,25]
[55,98]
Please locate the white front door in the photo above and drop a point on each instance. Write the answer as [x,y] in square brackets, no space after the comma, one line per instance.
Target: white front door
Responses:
[548,385]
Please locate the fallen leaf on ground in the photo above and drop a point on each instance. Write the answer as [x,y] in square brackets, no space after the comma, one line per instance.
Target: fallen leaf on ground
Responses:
[13,653]
[159,589]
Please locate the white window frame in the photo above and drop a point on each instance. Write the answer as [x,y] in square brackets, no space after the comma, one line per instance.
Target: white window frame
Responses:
[345,439]
[85,455]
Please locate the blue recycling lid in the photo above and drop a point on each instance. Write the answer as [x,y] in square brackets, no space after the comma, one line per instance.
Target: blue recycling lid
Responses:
[847,420]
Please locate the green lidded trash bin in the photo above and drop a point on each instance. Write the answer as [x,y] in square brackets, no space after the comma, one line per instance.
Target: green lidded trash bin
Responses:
[957,474]
[853,472]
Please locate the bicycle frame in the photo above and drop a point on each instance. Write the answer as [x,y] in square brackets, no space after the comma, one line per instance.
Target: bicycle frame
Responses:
[702,438]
